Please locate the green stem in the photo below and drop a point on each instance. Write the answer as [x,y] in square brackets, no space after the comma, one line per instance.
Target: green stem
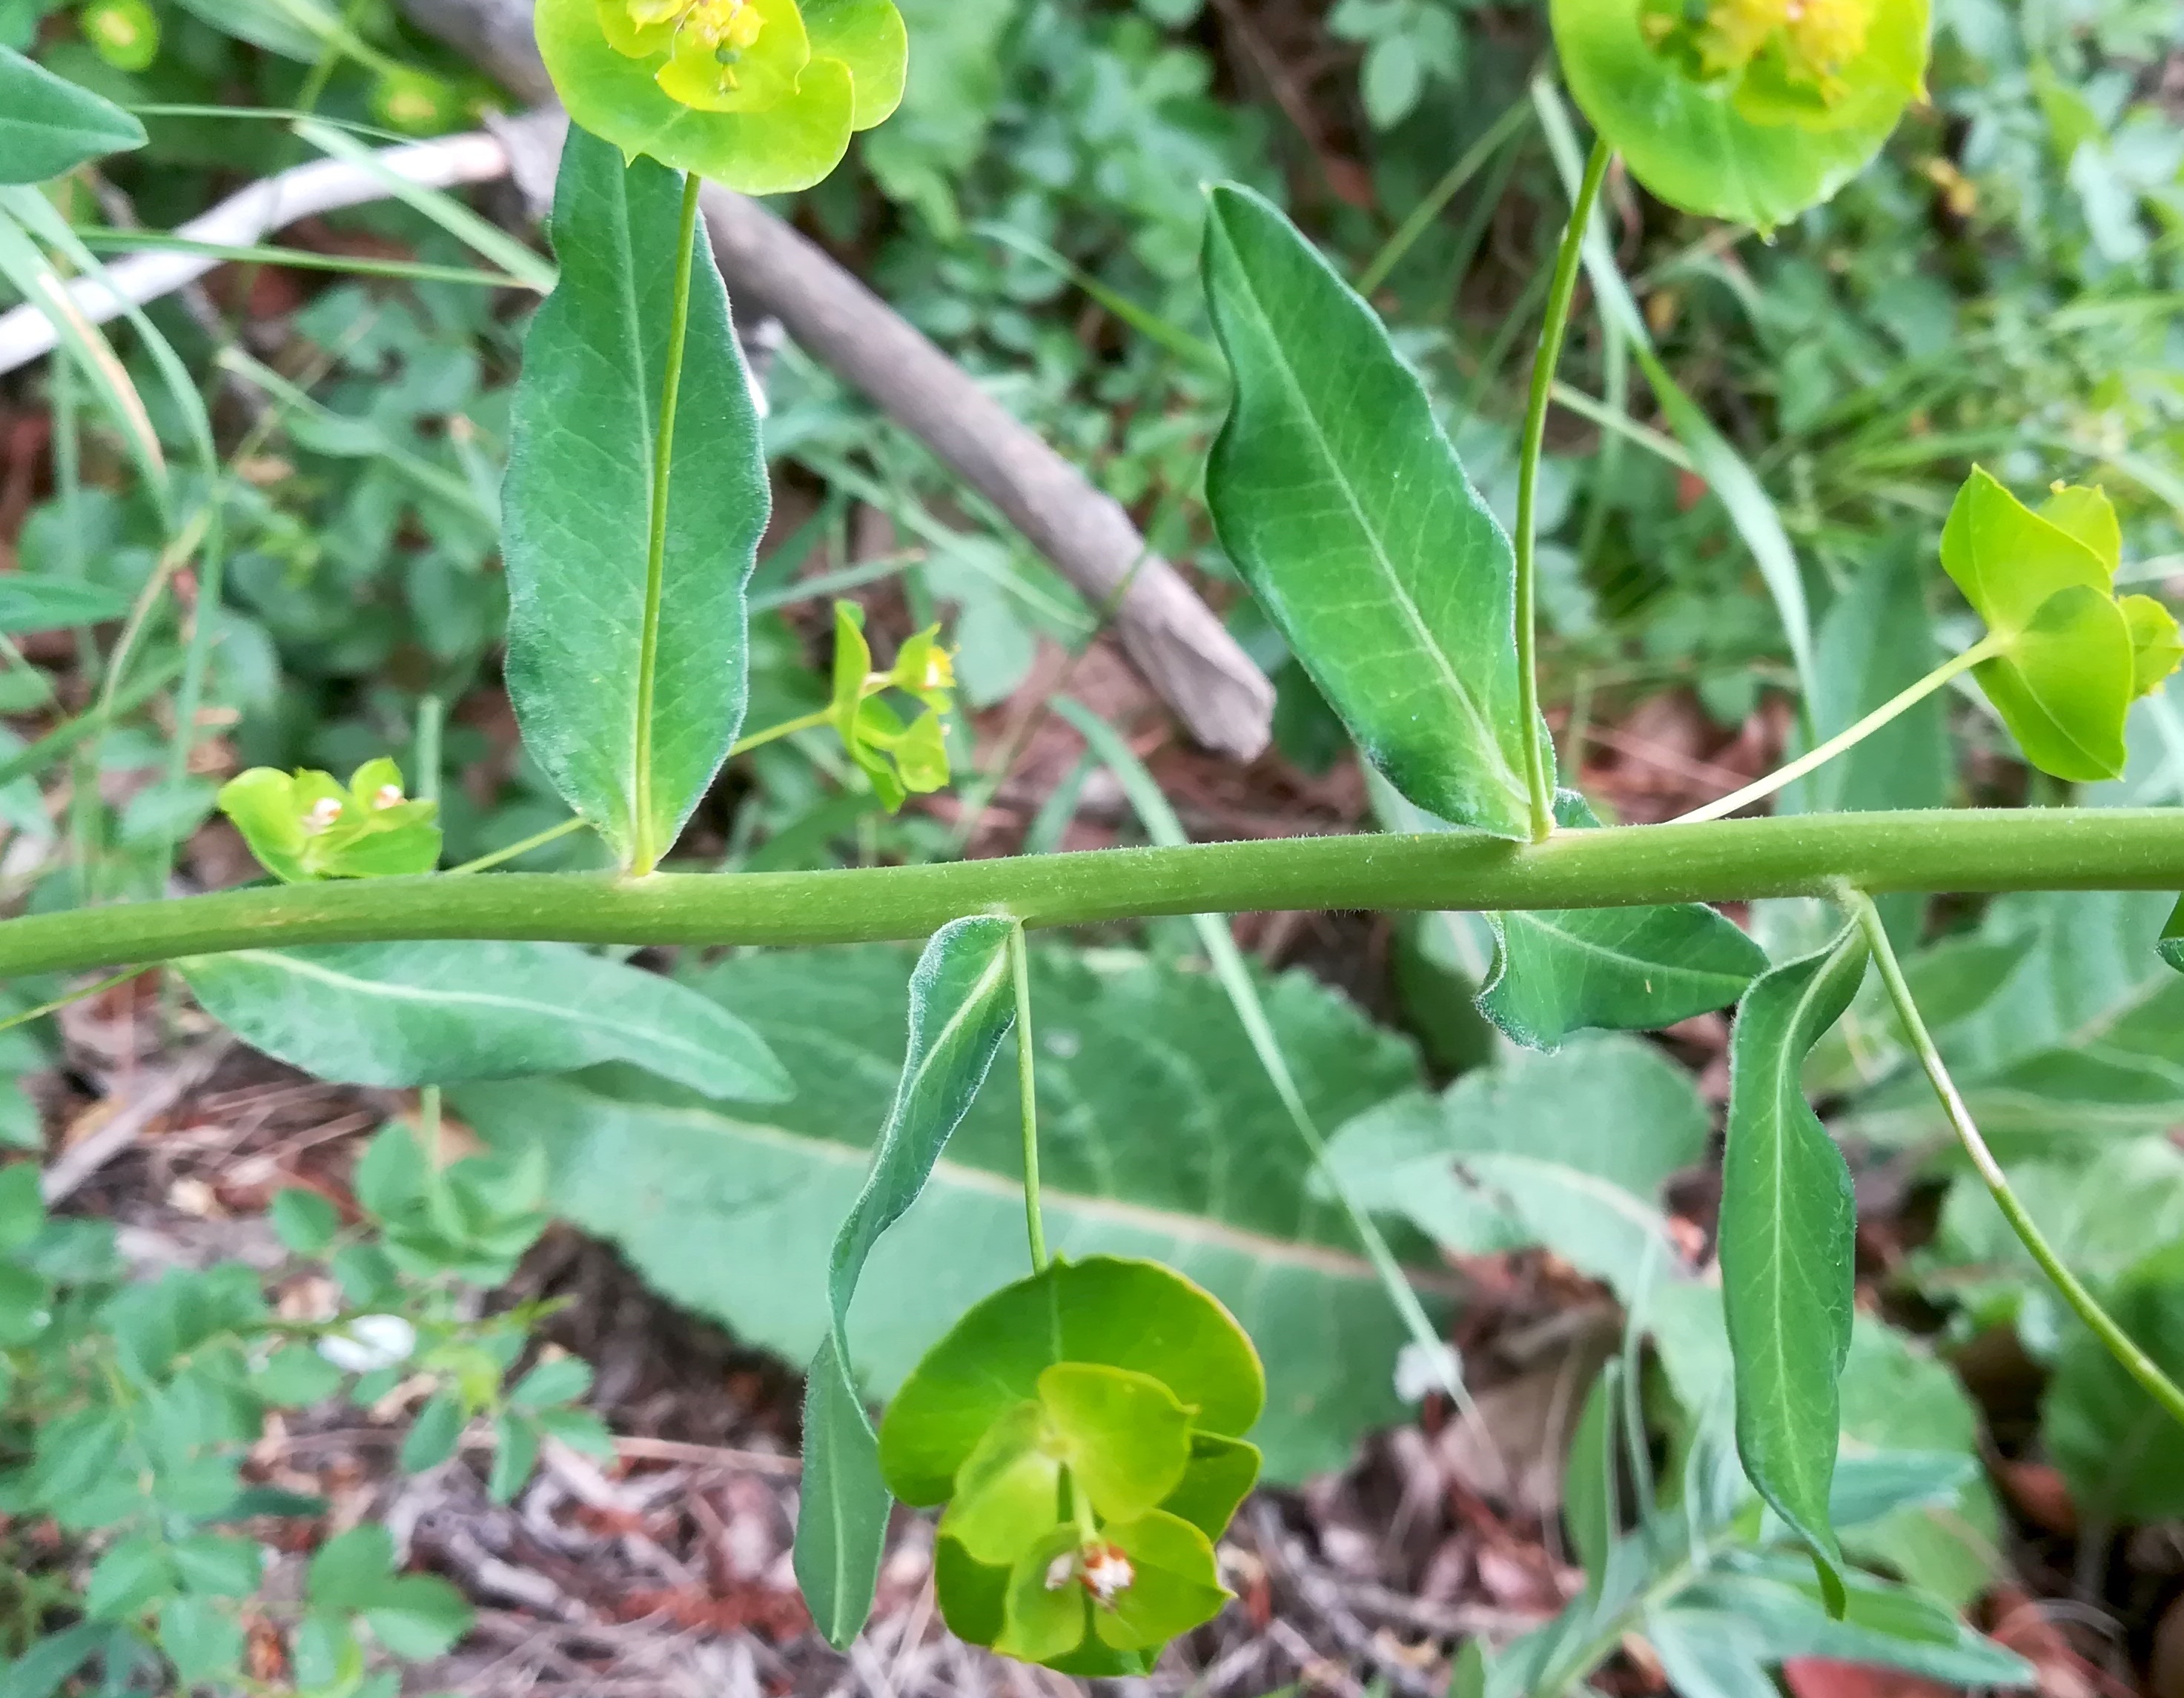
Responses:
[1783,777]
[1027,1091]
[514,851]
[60,1002]
[425,783]
[1560,293]
[1474,159]
[2135,1361]
[646,852]
[759,739]
[1966,851]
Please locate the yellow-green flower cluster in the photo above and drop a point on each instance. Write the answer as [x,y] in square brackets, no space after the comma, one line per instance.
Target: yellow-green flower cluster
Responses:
[761,95]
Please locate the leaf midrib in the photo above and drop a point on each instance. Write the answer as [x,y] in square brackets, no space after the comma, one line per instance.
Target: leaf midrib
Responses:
[1184,1227]
[396,993]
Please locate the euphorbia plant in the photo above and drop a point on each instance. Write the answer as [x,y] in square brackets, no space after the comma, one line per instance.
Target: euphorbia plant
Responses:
[1086,1429]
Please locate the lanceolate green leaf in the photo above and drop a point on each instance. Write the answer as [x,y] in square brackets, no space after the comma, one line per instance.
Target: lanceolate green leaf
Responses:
[1787,1224]
[429,1014]
[1339,498]
[961,1005]
[48,126]
[578,505]
[1556,972]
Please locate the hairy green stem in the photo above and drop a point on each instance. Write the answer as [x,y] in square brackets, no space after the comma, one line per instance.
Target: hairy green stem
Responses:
[1965,850]
[646,852]
[1783,777]
[2135,1361]
[1027,1091]
[1560,293]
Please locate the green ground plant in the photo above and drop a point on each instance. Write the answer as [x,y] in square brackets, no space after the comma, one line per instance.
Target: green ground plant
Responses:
[1085,1466]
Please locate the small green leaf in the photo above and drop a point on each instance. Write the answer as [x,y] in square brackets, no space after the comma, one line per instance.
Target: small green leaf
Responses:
[403,1014]
[304,1220]
[1744,145]
[1008,1492]
[2009,559]
[296,1377]
[347,1570]
[1559,972]
[128,1577]
[515,1455]
[1174,1583]
[22,1205]
[1121,1313]
[2064,687]
[48,126]
[960,1007]
[1788,1221]
[1340,499]
[558,1380]
[1219,1476]
[417,1616]
[1043,1622]
[1124,1437]
[325,1654]
[217,1566]
[578,495]
[200,1639]
[434,1434]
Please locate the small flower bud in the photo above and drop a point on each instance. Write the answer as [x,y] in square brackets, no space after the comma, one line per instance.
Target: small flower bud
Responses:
[1107,1572]
[324,812]
[386,795]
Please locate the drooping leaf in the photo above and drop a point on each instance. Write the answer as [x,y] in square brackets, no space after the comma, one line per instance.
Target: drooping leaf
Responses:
[1787,1224]
[961,1005]
[1160,1138]
[48,126]
[1569,1150]
[1740,143]
[1340,499]
[2121,1452]
[439,1013]
[630,729]
[1561,971]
